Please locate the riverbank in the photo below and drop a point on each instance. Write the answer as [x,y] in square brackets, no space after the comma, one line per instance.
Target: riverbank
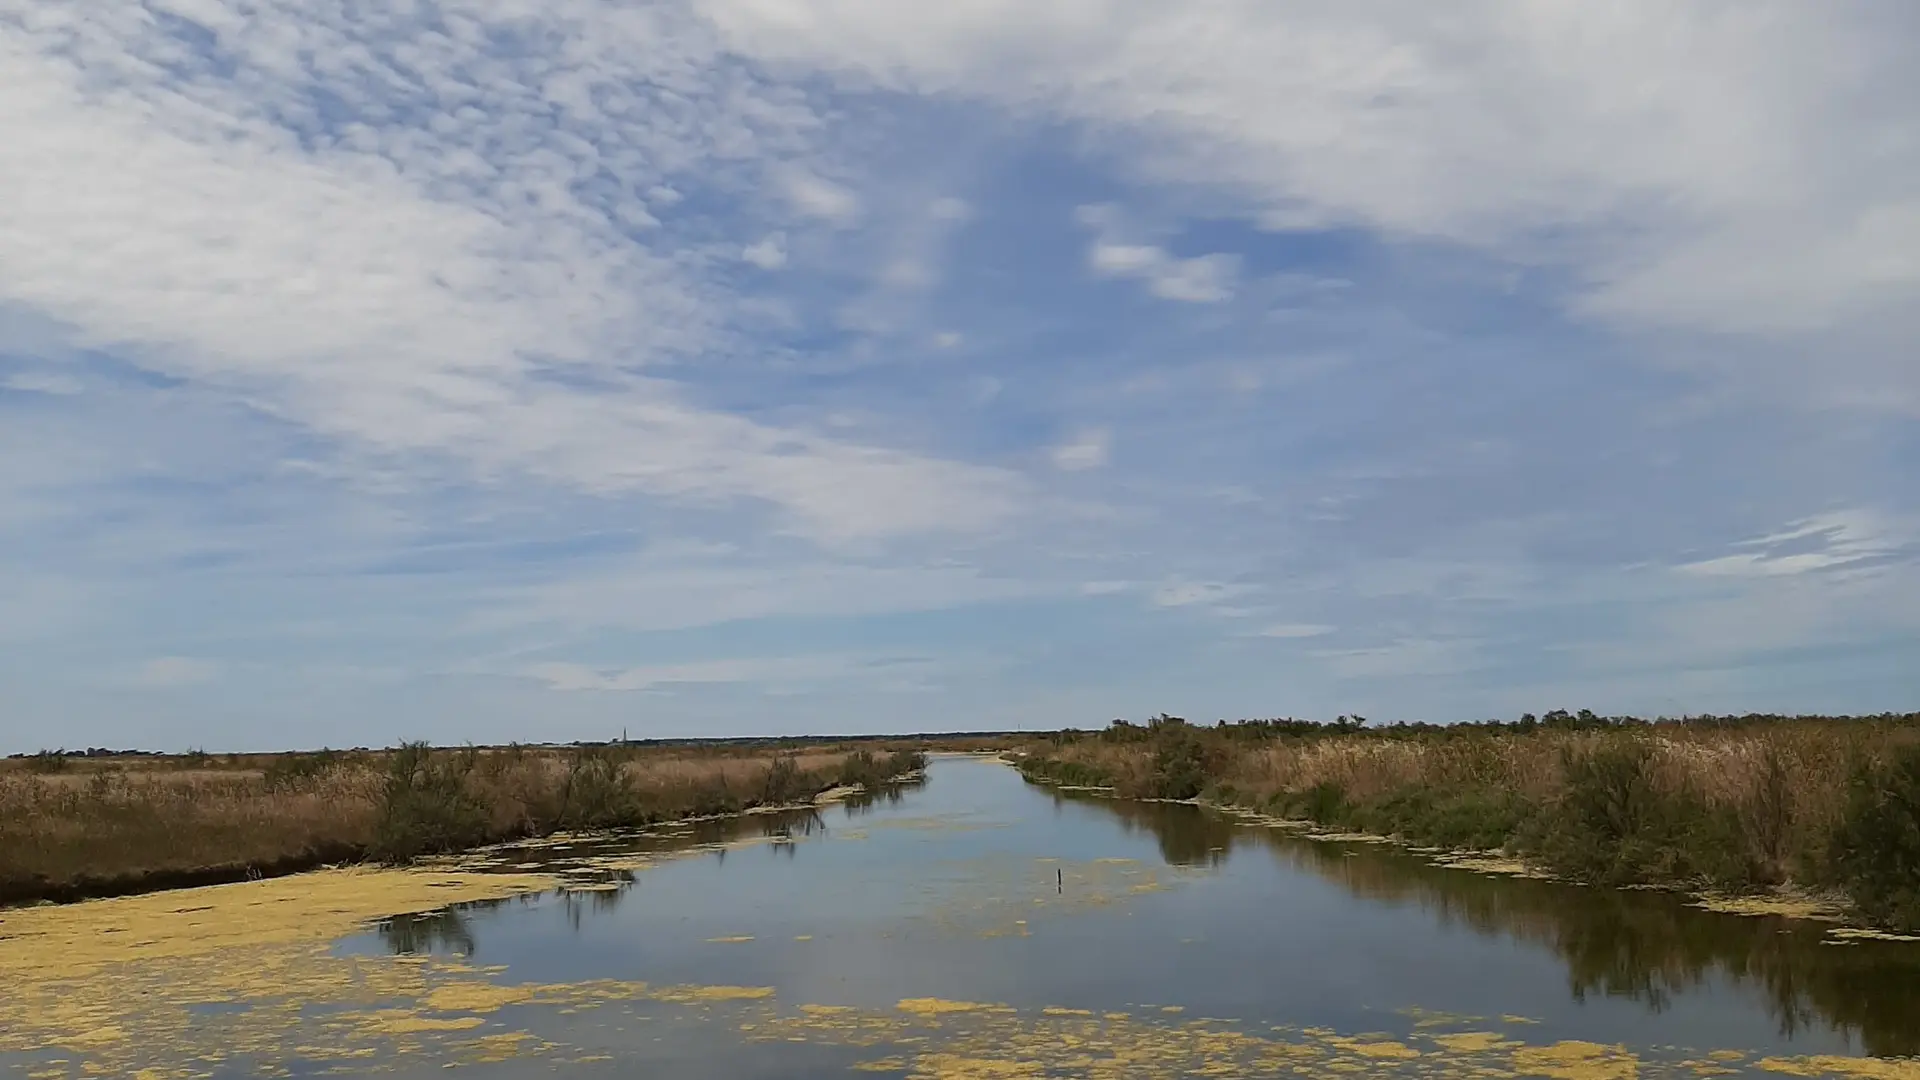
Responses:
[108,827]
[1821,809]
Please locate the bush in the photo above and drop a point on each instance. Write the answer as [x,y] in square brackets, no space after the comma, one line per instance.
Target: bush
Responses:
[1613,825]
[869,770]
[1066,773]
[48,762]
[289,771]
[1876,848]
[597,794]
[1179,767]
[784,783]
[426,808]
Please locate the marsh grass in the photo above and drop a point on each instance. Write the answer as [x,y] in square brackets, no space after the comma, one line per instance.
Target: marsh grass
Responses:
[94,826]
[1724,804]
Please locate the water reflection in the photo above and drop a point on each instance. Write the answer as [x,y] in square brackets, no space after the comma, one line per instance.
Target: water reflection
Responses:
[1640,946]
[882,797]
[447,931]
[1185,836]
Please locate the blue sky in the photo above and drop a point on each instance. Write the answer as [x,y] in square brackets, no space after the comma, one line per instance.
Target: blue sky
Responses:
[491,371]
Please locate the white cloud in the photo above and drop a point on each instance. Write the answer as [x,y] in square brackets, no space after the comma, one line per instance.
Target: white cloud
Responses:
[1825,542]
[408,290]
[818,197]
[169,671]
[779,672]
[1745,169]
[1085,450]
[1198,593]
[1204,279]
[1297,630]
[1405,657]
[948,208]
[43,382]
[768,254]
[685,586]
[947,339]
[1105,588]
[1124,259]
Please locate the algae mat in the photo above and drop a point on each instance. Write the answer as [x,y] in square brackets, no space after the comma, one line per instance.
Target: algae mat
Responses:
[242,979]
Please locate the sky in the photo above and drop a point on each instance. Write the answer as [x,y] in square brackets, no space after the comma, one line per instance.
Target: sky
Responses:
[542,371]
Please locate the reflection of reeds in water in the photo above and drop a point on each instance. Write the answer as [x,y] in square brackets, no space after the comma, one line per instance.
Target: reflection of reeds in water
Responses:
[877,796]
[1185,838]
[1640,946]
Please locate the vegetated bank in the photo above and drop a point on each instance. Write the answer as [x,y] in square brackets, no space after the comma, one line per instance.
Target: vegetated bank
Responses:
[76,826]
[1714,804]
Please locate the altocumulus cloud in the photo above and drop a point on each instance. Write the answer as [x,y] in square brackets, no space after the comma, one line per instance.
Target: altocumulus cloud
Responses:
[1508,356]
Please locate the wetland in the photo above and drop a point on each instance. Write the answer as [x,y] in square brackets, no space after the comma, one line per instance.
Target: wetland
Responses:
[973,924]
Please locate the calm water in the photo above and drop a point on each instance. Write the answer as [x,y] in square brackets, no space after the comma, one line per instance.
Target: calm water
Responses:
[978,887]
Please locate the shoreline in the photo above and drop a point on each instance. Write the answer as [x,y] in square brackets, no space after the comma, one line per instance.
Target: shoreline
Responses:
[1785,903]
[18,895]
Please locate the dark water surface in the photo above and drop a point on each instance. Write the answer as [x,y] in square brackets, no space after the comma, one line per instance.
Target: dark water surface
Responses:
[977,887]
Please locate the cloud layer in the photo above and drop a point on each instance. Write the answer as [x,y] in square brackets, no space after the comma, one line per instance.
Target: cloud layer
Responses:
[406,361]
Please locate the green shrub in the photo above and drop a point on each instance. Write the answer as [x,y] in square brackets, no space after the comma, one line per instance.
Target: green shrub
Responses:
[1066,773]
[288,771]
[48,762]
[1179,768]
[1613,825]
[1324,802]
[1876,849]
[597,794]
[426,807]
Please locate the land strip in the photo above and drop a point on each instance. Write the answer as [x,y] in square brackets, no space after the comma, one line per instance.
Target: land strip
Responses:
[73,827]
[1801,806]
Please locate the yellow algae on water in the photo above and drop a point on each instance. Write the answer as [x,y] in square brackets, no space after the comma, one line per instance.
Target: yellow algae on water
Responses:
[1576,1060]
[475,996]
[1785,905]
[1727,1055]
[1060,1010]
[493,1049]
[73,940]
[1854,933]
[1472,1042]
[1830,1065]
[929,1006]
[956,1067]
[407,1022]
[1381,1048]
[731,940]
[694,995]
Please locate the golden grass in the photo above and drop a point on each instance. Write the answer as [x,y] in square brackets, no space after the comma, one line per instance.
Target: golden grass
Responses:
[105,824]
[1781,785]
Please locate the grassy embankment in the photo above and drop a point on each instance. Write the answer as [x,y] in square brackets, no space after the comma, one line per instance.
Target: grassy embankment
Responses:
[1711,804]
[73,827]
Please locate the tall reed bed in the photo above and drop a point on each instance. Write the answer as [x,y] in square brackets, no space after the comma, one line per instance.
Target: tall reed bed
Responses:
[1714,803]
[93,825]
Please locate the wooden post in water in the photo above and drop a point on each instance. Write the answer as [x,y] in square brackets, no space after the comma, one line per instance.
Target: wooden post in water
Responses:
[1059,881]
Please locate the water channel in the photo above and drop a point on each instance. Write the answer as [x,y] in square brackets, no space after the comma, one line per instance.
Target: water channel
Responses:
[976,925]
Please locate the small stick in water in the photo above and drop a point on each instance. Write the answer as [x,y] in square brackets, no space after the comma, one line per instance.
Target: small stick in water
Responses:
[1059,881]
